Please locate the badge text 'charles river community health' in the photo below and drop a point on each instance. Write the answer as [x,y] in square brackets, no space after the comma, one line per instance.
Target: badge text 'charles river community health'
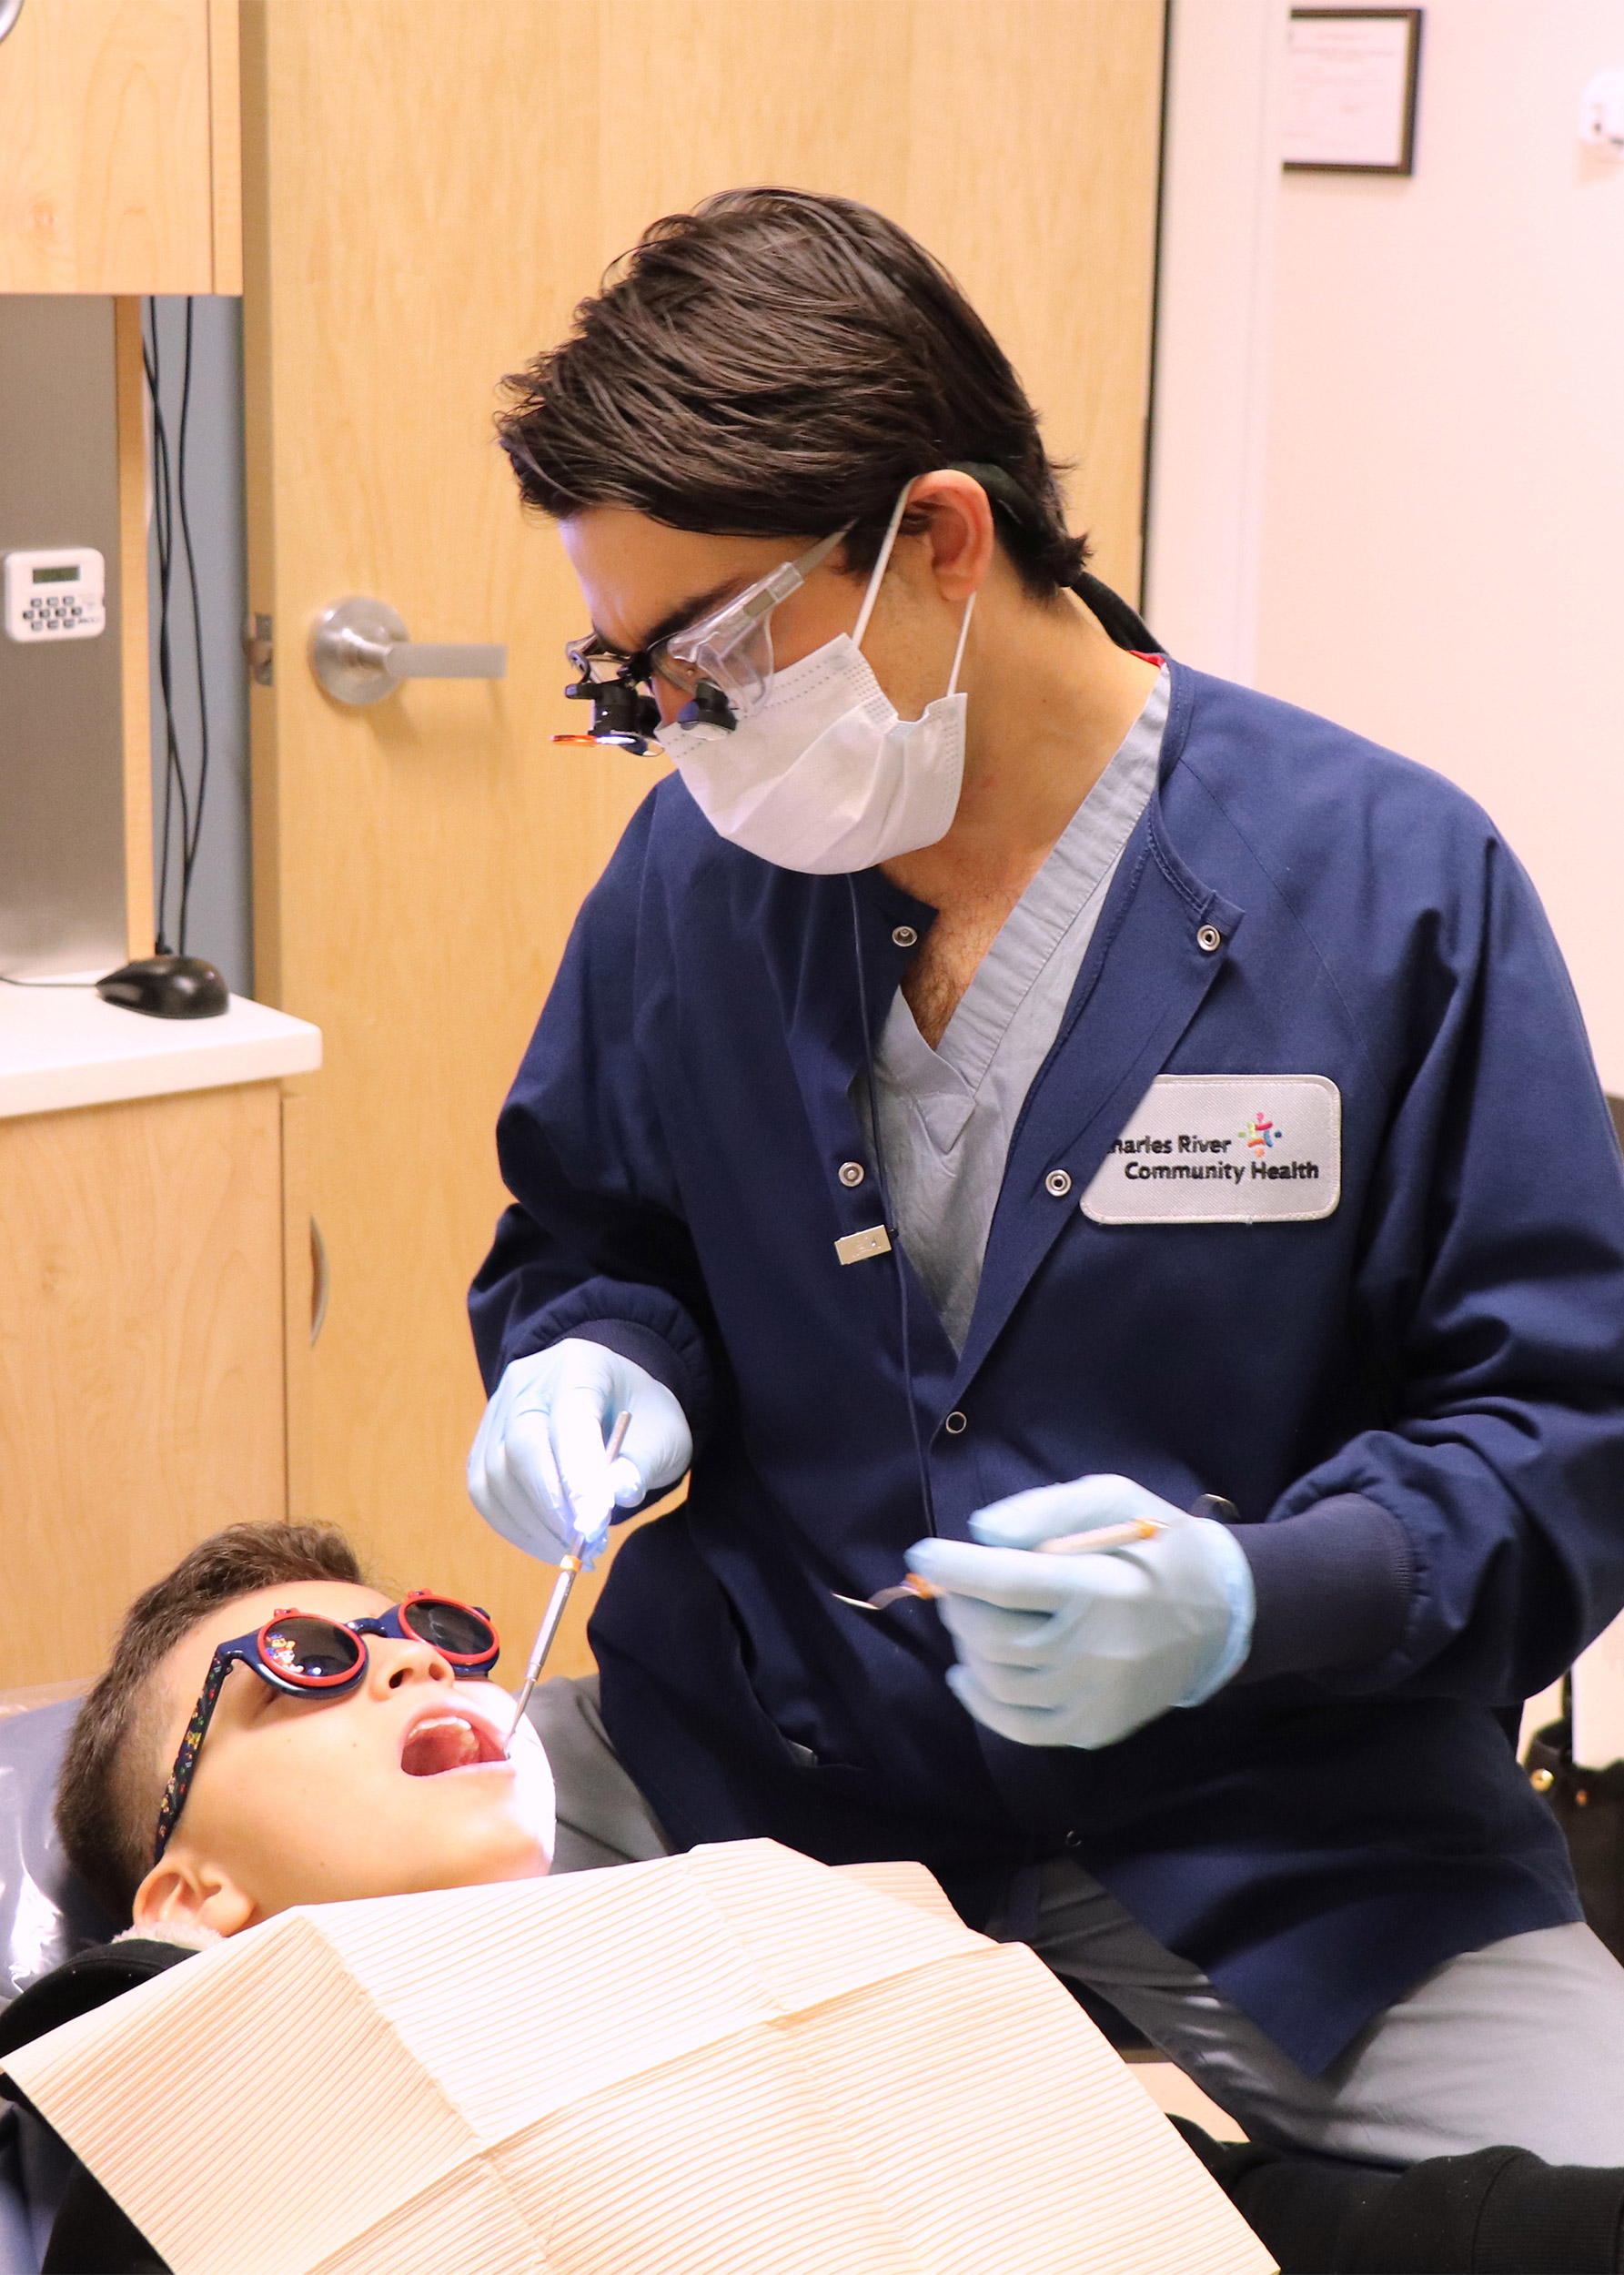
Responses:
[1223,1149]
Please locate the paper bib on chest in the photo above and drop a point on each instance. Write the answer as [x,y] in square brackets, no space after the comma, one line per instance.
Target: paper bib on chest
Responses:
[1225,1149]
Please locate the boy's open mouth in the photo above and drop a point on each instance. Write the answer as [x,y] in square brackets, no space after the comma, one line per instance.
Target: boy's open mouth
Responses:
[446,1738]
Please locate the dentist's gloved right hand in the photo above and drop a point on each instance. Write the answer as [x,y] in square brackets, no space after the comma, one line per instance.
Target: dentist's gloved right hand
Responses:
[538,1472]
[1084,1650]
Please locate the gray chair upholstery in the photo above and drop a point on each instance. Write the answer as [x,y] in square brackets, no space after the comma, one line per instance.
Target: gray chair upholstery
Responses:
[46,1913]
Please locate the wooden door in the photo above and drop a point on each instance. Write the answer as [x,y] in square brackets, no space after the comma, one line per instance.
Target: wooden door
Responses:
[427,192]
[118,147]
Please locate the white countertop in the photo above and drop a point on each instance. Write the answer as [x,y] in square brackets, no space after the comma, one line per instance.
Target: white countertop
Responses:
[62,1047]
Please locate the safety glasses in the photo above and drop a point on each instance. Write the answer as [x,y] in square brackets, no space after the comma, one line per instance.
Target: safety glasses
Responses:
[722,663]
[732,647]
[306,1656]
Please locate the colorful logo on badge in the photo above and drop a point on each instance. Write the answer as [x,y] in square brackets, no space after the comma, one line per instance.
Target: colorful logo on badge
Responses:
[1260,1134]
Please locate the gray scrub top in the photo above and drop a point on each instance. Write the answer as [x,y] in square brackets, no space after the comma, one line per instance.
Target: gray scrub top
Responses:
[948,1115]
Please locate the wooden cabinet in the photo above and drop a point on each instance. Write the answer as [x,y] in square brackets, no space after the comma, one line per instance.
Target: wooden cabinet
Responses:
[155,1327]
[120,164]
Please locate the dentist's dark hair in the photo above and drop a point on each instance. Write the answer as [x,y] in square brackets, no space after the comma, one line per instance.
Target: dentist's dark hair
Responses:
[778,364]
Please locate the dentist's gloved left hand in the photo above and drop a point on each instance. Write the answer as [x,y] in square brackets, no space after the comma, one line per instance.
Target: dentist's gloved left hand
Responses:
[1084,1650]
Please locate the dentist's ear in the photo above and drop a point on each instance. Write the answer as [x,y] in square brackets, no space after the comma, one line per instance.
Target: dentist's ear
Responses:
[961,533]
[188,1891]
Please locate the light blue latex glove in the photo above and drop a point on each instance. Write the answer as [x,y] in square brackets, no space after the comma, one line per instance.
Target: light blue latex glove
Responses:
[538,1472]
[1083,1650]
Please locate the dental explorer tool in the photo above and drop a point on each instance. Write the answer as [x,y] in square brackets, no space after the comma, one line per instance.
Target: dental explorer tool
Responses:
[569,1564]
[1094,1543]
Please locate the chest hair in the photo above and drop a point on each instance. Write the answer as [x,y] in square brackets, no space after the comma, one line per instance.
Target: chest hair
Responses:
[950,958]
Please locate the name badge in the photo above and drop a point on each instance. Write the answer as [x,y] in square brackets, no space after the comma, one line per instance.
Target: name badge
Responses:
[1225,1149]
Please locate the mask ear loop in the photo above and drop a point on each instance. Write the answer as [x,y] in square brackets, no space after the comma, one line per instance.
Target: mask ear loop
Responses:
[958,653]
[873,594]
[877,574]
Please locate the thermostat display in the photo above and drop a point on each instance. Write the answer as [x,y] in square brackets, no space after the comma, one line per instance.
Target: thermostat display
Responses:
[55,595]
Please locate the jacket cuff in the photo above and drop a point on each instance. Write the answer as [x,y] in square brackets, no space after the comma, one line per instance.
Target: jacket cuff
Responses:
[1333,1587]
[647,1349]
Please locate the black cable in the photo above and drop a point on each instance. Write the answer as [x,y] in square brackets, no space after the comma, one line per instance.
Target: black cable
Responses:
[173,774]
[893,1229]
[170,496]
[190,847]
[149,359]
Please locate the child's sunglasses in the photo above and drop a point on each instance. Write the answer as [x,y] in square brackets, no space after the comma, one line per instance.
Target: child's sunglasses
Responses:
[309,1657]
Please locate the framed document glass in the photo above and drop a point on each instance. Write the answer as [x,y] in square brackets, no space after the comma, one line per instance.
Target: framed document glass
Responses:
[1350,100]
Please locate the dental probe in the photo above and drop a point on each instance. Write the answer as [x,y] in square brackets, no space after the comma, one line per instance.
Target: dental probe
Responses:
[569,1564]
[1103,1536]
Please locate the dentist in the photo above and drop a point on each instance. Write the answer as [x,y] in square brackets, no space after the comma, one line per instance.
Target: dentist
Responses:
[1006,1084]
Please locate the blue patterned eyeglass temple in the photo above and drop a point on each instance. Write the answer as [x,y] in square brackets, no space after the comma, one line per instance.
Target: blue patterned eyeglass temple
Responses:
[306,1656]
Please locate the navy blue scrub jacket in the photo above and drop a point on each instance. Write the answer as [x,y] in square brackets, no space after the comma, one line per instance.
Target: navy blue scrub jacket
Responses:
[1416,1404]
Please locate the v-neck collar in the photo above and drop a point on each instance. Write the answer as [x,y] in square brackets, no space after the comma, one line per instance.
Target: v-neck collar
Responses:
[945,1081]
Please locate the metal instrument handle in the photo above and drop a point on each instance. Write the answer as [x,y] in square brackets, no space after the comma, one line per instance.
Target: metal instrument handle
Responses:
[569,1565]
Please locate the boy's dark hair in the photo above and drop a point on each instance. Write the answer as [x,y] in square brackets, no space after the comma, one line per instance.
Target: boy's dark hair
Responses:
[112,1780]
[777,364]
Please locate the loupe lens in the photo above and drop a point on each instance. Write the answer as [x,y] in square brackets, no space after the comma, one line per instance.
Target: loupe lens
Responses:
[308,1650]
[456,1629]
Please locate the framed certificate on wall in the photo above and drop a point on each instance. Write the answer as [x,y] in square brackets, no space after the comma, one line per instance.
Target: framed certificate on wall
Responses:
[1350,90]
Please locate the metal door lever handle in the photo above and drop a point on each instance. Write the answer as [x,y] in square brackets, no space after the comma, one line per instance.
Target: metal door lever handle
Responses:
[360,651]
[425,659]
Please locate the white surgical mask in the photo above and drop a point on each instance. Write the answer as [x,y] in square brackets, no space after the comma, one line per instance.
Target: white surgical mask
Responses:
[821,775]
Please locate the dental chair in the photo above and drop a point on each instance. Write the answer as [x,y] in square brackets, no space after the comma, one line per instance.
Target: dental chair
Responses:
[46,1913]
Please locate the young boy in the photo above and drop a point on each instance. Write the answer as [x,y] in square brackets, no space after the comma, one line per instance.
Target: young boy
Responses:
[379,1780]
[217,1775]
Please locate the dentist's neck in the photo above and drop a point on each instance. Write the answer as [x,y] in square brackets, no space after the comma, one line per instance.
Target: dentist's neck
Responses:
[1050,699]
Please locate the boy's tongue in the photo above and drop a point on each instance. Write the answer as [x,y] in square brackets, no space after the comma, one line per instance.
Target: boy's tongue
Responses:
[447,1741]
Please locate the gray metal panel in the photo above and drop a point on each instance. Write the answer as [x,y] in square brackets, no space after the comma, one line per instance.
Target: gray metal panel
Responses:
[62,905]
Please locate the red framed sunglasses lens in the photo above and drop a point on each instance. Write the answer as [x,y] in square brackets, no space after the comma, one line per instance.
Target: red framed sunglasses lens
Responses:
[459,1632]
[311,1652]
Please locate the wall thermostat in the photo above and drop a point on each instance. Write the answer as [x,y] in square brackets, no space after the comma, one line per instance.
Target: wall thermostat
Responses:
[59,595]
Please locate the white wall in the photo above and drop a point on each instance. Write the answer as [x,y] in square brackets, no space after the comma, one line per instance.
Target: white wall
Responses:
[1215,315]
[1442,549]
